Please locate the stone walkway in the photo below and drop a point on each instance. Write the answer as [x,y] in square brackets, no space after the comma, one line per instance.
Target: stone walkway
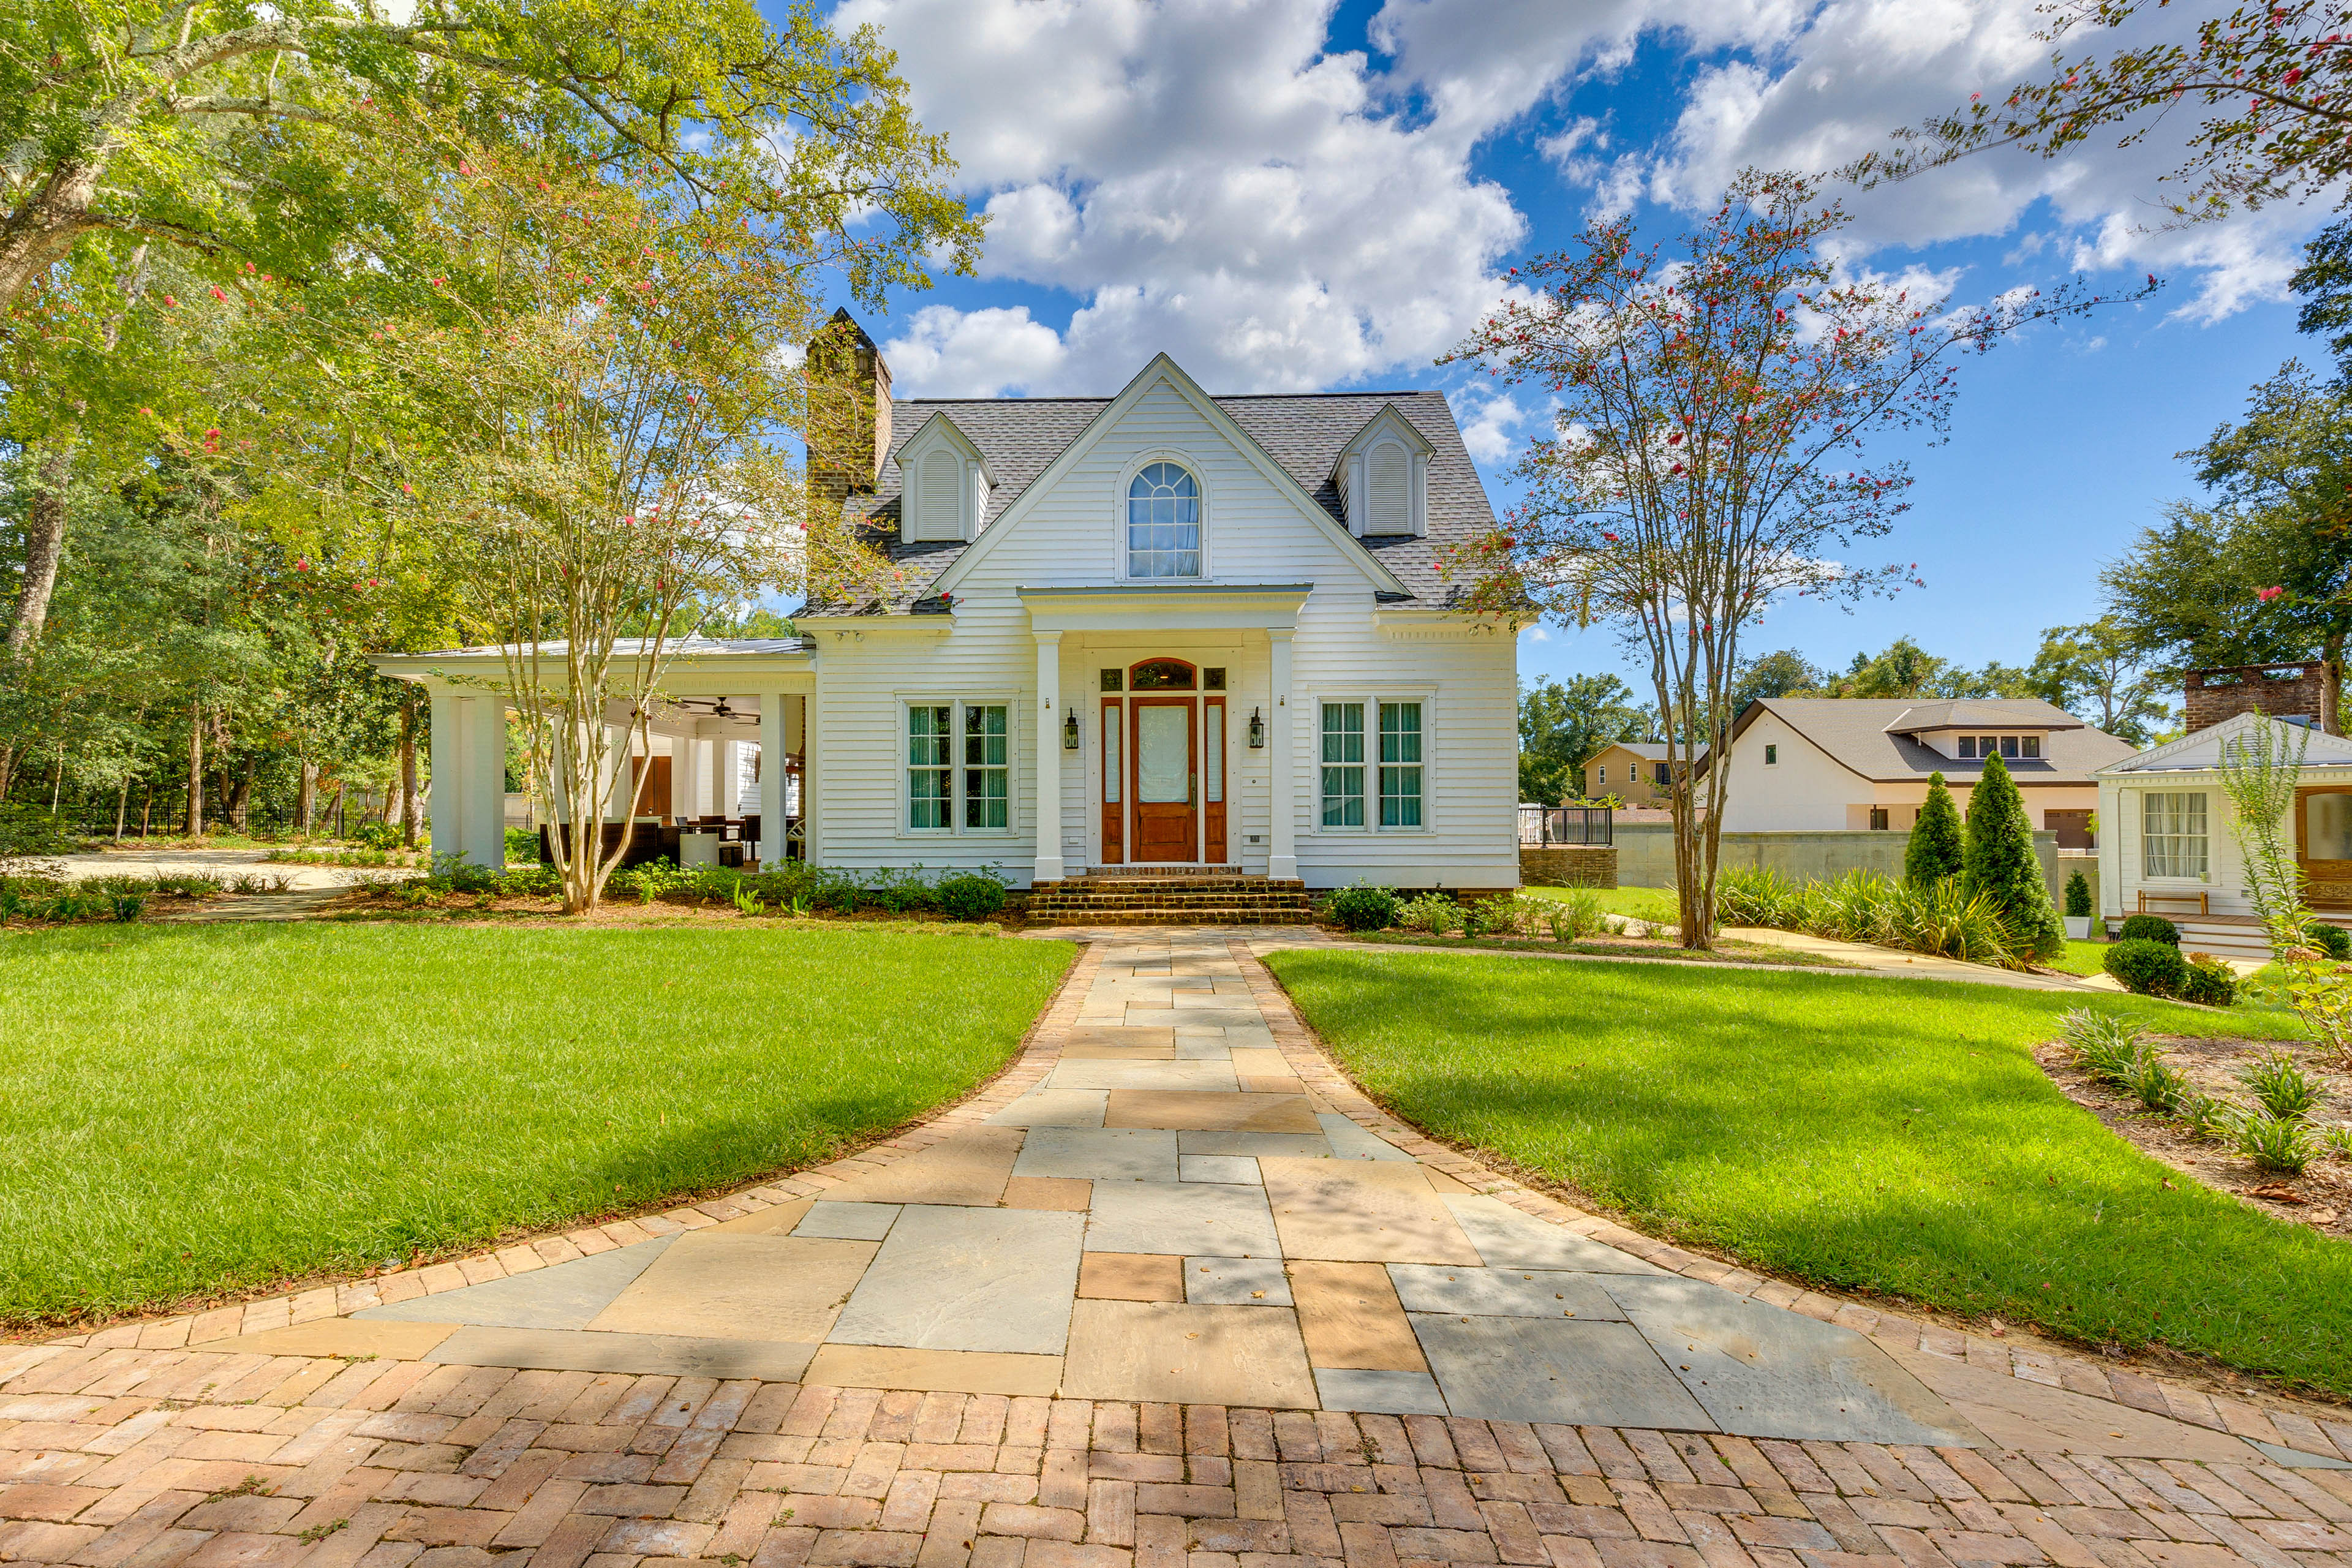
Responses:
[1168,1289]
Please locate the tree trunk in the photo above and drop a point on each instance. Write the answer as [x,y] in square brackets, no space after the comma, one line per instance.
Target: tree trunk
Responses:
[195,770]
[121,808]
[306,794]
[2331,684]
[147,808]
[45,543]
[241,797]
[410,823]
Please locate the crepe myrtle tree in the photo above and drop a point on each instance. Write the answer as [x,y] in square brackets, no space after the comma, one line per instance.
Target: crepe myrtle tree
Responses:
[2260,98]
[1714,409]
[587,424]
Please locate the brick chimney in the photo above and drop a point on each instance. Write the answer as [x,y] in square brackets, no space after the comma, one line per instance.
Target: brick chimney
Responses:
[849,411]
[2305,691]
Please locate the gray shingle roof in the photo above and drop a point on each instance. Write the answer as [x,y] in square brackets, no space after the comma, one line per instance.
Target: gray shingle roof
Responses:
[1983,713]
[1853,730]
[1302,432]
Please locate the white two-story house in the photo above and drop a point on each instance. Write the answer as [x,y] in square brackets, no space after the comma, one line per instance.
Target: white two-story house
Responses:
[1161,630]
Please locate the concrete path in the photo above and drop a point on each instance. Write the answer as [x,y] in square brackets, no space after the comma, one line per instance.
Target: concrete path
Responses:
[1169,1294]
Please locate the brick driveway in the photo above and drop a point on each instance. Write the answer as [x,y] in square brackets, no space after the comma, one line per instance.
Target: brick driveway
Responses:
[1170,1287]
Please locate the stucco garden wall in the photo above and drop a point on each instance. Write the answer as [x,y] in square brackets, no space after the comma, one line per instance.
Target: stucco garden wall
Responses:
[1646,855]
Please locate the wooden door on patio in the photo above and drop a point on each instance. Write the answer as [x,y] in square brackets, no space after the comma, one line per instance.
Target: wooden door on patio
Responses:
[2322,845]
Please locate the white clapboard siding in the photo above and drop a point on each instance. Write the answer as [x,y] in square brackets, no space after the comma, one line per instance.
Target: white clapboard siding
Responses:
[1253,532]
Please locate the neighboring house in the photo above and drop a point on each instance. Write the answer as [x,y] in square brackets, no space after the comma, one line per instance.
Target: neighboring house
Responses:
[1162,629]
[1825,762]
[1635,771]
[2171,845]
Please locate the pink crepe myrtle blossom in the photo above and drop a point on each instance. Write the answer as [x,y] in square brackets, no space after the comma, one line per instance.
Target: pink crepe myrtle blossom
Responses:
[2267,594]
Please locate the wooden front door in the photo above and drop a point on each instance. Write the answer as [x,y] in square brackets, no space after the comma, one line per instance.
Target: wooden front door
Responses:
[1164,778]
[2322,845]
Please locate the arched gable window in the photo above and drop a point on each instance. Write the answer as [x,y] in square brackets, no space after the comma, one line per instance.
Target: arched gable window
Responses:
[1163,523]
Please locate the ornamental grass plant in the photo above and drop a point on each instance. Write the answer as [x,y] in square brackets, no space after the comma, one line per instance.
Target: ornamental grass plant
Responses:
[1941,917]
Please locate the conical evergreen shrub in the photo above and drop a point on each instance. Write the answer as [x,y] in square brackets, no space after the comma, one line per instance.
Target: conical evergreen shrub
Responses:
[1935,850]
[1999,860]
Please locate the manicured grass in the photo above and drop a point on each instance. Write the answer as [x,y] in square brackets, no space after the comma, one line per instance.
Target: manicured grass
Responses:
[2080,958]
[1893,1135]
[194,1108]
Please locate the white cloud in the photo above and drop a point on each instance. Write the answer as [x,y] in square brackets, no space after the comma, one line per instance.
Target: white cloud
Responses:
[1208,180]
[1487,417]
[946,352]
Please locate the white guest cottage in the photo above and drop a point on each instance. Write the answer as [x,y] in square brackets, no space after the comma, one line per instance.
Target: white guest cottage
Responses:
[1161,633]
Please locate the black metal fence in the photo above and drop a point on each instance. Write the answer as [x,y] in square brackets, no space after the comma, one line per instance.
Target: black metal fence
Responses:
[1548,825]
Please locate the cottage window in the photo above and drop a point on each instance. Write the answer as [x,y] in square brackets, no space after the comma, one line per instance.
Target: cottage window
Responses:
[958,767]
[938,504]
[1343,765]
[2174,838]
[1400,765]
[1163,523]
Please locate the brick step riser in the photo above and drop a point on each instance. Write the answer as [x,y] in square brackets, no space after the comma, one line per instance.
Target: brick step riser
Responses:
[1195,901]
[1172,918]
[1172,885]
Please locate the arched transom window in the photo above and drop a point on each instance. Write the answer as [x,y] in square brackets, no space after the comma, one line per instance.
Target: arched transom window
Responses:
[1163,523]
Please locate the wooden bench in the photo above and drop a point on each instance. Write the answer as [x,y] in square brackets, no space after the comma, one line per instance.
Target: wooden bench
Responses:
[2201,898]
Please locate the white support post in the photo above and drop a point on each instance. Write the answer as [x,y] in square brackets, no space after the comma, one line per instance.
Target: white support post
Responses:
[685,776]
[1282,858]
[1049,757]
[771,777]
[486,771]
[804,741]
[724,795]
[449,824]
[620,774]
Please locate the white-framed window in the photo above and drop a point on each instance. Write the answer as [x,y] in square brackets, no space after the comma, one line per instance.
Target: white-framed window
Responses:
[958,767]
[2173,837]
[1374,757]
[1163,522]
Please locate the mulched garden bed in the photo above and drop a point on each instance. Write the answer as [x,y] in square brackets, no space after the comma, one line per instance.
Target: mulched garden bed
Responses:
[2321,1197]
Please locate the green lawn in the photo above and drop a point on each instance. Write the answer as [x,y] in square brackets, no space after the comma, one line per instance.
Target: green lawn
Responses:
[1642,903]
[2082,958]
[1893,1135]
[202,1108]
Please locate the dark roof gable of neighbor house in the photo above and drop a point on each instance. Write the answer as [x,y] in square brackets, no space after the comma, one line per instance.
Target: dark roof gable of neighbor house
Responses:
[1305,432]
[1872,736]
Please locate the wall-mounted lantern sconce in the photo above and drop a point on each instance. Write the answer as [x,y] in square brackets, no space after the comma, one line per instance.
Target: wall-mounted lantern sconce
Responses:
[1256,730]
[1070,732]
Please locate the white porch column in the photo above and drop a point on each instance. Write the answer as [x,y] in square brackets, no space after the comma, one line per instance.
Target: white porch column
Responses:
[449,824]
[723,794]
[1049,757]
[1282,857]
[486,770]
[771,777]
[685,776]
[620,780]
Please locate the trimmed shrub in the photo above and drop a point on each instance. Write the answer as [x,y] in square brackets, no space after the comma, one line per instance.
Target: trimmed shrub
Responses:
[2151,928]
[2151,968]
[1357,907]
[970,896]
[901,891]
[2208,981]
[1935,850]
[2332,939]
[2078,896]
[1999,860]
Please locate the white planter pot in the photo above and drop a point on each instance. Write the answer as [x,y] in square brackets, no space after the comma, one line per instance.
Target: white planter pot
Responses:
[2078,927]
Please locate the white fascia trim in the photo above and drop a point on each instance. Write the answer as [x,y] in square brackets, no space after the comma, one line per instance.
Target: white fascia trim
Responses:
[841,631]
[736,672]
[1164,368]
[1205,608]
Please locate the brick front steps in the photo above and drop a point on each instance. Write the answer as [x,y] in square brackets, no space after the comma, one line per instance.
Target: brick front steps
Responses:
[1234,900]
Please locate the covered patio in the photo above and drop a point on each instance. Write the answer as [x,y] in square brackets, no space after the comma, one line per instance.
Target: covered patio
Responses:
[723,754]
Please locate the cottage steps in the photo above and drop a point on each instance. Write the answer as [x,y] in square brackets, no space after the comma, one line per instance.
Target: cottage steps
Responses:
[1171,900]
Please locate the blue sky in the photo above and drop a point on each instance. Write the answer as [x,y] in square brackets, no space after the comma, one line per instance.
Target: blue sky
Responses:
[1290,194]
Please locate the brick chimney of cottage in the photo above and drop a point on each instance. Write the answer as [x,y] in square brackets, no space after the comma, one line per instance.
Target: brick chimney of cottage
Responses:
[848,412]
[2306,690]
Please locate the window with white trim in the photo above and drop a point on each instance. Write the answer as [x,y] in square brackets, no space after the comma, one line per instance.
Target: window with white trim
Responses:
[958,767]
[2173,837]
[1376,780]
[1163,522]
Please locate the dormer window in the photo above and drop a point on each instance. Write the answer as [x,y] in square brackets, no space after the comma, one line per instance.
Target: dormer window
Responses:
[944,485]
[1383,477]
[1163,523]
[2009,747]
